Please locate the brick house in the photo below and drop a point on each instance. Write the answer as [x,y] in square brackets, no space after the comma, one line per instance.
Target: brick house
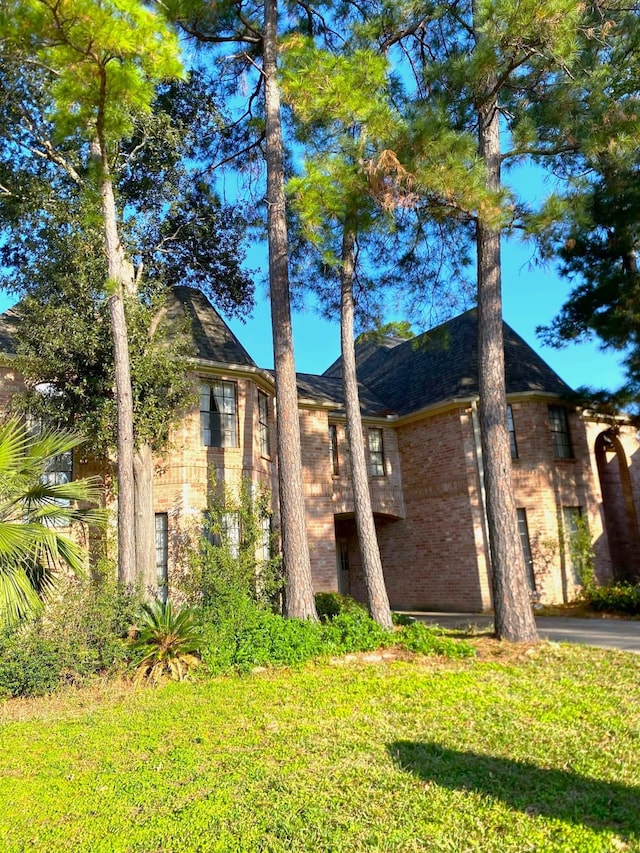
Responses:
[419,400]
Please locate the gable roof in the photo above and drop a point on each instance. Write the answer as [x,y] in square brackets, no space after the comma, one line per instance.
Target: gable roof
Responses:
[442,365]
[213,339]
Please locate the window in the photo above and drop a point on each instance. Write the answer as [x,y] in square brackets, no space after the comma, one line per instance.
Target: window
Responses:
[523,530]
[376,452]
[266,539]
[59,471]
[162,555]
[512,433]
[231,532]
[229,535]
[219,414]
[333,449]
[263,424]
[575,533]
[560,432]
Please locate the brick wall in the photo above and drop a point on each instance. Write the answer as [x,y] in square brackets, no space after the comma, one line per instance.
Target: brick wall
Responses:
[428,506]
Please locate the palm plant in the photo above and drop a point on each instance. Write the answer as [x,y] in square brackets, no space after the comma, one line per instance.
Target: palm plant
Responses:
[166,642]
[35,516]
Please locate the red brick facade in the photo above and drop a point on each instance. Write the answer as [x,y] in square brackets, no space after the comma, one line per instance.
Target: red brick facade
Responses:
[429,503]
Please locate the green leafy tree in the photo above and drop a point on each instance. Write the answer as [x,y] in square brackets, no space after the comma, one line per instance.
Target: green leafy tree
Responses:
[343,117]
[35,516]
[174,229]
[96,68]
[597,243]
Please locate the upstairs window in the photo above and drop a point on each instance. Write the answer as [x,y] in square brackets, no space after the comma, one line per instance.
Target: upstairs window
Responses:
[560,432]
[512,433]
[263,424]
[376,453]
[333,449]
[219,414]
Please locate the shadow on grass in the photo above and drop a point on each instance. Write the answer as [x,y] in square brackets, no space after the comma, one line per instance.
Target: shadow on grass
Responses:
[528,788]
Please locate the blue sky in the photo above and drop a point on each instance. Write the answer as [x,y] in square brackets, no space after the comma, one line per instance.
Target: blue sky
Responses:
[532,296]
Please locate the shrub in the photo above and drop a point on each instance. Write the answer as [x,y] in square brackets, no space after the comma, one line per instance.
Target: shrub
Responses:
[354,631]
[332,604]
[224,570]
[420,638]
[618,598]
[166,643]
[265,638]
[89,624]
[80,634]
[30,665]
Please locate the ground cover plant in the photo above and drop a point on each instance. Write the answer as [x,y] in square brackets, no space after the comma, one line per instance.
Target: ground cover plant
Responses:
[528,749]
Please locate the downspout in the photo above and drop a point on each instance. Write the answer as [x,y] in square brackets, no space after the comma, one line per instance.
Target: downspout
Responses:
[481,490]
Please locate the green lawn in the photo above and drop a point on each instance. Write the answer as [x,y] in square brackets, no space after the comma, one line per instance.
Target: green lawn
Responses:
[536,752]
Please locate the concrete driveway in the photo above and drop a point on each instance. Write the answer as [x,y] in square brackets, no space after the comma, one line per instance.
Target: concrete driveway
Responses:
[619,634]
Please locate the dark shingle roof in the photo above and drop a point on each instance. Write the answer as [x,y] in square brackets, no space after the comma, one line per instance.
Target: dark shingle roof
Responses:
[213,339]
[8,322]
[443,364]
[328,390]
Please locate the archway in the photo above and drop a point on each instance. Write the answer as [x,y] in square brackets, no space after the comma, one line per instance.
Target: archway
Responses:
[618,505]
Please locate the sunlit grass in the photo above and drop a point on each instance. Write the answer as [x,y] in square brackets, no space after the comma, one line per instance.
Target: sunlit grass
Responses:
[537,753]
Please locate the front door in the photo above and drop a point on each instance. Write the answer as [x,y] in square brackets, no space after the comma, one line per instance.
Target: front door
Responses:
[342,556]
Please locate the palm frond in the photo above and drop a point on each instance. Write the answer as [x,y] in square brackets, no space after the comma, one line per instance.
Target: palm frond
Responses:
[34,513]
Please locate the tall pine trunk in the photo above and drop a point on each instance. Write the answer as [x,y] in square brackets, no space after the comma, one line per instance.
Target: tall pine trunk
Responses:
[295,547]
[512,607]
[145,529]
[121,282]
[367,538]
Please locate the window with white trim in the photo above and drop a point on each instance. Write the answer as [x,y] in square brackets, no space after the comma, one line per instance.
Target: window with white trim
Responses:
[574,528]
[59,472]
[376,452]
[219,414]
[523,530]
[229,534]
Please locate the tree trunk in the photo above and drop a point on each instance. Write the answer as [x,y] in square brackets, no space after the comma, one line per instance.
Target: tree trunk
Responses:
[295,547]
[512,607]
[145,541]
[367,538]
[121,281]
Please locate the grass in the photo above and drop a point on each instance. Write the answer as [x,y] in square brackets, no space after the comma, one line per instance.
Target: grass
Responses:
[527,750]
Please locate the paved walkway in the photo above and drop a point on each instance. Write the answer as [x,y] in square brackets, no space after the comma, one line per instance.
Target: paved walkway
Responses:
[620,634]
